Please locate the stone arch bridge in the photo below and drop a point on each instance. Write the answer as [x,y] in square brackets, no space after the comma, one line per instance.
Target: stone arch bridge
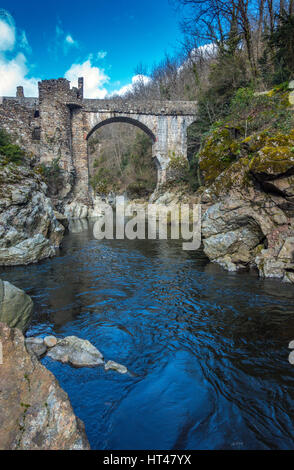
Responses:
[60,121]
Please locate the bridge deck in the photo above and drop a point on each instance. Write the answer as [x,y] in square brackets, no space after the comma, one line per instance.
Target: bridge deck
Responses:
[154,107]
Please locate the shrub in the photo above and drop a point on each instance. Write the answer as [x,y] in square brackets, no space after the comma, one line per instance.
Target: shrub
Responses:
[242,98]
[8,149]
[138,189]
[53,175]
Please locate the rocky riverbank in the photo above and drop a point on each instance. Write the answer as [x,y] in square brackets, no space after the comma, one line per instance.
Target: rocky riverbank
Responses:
[35,413]
[29,230]
[248,197]
[249,221]
[247,192]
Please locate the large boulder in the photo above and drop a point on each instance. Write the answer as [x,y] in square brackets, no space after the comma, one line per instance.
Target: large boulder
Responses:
[16,307]
[248,216]
[35,413]
[29,230]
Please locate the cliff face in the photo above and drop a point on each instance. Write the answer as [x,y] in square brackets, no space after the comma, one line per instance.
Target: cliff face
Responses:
[35,413]
[248,216]
[29,230]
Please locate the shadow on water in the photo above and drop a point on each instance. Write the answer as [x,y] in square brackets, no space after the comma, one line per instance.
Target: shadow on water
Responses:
[207,349]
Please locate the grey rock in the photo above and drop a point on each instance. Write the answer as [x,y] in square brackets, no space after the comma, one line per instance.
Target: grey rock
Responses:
[36,346]
[231,234]
[76,352]
[29,231]
[76,210]
[50,341]
[61,218]
[35,413]
[115,366]
[16,307]
[291,357]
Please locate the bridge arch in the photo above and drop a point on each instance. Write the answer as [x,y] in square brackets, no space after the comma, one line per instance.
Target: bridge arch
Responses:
[98,120]
[127,120]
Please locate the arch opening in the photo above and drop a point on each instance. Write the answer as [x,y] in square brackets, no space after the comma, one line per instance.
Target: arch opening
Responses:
[123,119]
[120,159]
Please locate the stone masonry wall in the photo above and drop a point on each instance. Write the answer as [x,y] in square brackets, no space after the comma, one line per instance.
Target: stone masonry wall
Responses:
[56,134]
[22,121]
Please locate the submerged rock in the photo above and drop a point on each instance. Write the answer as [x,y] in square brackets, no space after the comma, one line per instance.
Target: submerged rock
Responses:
[115,366]
[71,350]
[76,352]
[35,413]
[16,307]
[29,231]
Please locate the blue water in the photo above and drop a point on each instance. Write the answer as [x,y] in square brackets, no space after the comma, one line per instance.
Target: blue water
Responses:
[207,350]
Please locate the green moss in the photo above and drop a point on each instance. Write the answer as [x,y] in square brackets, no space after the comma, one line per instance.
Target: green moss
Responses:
[217,154]
[25,406]
[274,155]
[27,378]
[237,175]
[267,154]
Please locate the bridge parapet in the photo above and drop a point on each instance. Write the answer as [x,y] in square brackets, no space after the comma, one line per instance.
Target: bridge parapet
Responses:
[150,107]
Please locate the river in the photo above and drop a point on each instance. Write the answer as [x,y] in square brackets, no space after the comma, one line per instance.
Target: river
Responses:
[207,350]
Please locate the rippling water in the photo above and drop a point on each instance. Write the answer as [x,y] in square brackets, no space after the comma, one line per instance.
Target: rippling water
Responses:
[208,350]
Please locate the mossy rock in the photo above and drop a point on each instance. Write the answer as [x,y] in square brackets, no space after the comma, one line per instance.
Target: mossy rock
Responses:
[236,176]
[218,153]
[275,156]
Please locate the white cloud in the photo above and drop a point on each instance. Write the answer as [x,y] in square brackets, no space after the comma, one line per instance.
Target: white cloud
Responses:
[101,54]
[24,43]
[207,50]
[69,41]
[7,32]
[14,73]
[94,79]
[136,79]
[62,41]
[14,70]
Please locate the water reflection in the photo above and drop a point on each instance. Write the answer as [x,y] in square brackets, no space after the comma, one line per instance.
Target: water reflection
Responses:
[208,348]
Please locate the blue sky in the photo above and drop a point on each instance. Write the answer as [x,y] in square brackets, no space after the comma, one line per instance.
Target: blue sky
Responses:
[103,40]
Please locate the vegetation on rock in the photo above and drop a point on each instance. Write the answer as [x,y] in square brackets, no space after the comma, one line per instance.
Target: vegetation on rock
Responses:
[121,161]
[8,149]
